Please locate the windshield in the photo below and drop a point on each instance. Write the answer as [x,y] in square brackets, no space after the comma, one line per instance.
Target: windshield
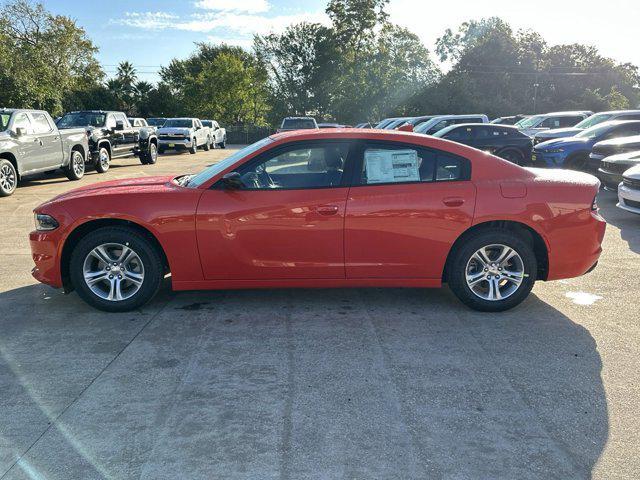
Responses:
[178,123]
[395,124]
[593,120]
[213,170]
[530,121]
[298,123]
[82,119]
[594,132]
[4,121]
[156,122]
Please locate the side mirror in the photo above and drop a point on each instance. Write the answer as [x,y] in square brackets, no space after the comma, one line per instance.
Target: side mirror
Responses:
[232,181]
[407,127]
[21,131]
[119,125]
[198,127]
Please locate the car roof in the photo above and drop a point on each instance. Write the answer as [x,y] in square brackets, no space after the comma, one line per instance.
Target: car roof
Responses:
[299,118]
[489,125]
[566,113]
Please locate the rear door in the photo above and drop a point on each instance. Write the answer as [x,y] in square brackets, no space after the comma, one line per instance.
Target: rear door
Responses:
[51,154]
[287,220]
[405,209]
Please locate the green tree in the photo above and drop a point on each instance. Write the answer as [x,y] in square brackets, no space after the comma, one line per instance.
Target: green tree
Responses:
[43,57]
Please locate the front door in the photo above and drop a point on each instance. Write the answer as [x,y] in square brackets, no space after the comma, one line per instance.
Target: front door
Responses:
[406,208]
[29,146]
[285,222]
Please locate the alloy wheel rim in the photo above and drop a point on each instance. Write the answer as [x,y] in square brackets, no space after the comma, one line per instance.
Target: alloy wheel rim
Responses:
[104,158]
[7,178]
[113,272]
[154,152]
[495,272]
[78,164]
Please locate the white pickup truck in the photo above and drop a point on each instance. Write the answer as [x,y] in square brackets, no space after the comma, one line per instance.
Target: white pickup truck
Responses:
[218,134]
[184,133]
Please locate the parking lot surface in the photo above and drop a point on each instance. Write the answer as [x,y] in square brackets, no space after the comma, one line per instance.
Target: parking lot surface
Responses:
[301,384]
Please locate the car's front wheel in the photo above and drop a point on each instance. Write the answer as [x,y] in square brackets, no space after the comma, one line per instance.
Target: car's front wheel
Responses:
[116,269]
[493,271]
[8,178]
[104,160]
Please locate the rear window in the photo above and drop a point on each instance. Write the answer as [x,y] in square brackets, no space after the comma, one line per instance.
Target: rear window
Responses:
[298,123]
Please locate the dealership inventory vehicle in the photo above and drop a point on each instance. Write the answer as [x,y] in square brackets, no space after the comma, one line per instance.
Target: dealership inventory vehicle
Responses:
[438,122]
[156,121]
[629,191]
[537,123]
[511,120]
[613,168]
[614,146]
[325,208]
[298,123]
[111,136]
[137,122]
[218,134]
[588,122]
[502,140]
[183,134]
[574,152]
[31,143]
[383,123]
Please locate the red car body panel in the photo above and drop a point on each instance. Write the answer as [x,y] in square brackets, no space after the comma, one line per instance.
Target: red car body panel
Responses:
[372,235]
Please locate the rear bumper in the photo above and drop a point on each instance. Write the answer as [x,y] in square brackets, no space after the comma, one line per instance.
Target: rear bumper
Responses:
[575,251]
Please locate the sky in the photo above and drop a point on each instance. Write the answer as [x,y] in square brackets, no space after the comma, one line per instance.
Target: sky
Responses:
[150,33]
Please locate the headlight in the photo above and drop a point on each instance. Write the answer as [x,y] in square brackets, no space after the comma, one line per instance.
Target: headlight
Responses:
[45,223]
[556,150]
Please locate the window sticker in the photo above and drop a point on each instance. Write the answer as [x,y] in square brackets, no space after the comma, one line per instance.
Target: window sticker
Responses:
[388,166]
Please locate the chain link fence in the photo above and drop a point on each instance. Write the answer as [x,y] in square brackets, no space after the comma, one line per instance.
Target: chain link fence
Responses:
[247,134]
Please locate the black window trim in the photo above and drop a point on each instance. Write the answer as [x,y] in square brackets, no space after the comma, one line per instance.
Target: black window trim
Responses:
[273,152]
[357,155]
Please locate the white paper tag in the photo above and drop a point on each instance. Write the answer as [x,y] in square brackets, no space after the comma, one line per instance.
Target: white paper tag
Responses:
[389,166]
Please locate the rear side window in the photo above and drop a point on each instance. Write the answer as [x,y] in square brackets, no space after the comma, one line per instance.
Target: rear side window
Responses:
[390,164]
[40,123]
[570,121]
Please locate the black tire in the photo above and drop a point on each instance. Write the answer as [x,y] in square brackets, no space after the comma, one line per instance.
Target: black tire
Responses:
[511,155]
[150,157]
[223,144]
[76,167]
[146,251]
[104,160]
[193,149]
[460,258]
[207,144]
[8,178]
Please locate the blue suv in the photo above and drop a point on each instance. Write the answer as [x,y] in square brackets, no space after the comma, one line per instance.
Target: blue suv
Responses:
[573,152]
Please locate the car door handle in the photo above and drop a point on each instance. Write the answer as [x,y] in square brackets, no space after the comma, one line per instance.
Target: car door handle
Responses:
[453,201]
[327,209]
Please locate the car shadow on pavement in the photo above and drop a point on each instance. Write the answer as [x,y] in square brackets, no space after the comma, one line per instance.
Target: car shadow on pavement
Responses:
[380,383]
[627,222]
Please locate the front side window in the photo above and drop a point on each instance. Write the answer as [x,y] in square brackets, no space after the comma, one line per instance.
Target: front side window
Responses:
[40,123]
[298,167]
[110,122]
[455,133]
[22,121]
[4,121]
[569,121]
[390,164]
[551,122]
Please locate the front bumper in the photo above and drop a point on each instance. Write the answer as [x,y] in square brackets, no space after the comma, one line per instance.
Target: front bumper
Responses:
[548,160]
[44,251]
[629,199]
[610,180]
[174,143]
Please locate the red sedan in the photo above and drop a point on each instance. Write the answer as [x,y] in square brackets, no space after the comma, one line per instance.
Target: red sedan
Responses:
[328,208]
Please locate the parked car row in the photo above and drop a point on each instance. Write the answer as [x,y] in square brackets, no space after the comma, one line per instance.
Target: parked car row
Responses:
[31,142]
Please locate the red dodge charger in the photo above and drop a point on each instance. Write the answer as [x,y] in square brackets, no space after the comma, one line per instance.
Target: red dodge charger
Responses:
[328,208]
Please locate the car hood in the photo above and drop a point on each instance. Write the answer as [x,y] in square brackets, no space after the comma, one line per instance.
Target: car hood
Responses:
[173,130]
[127,185]
[633,172]
[619,142]
[624,157]
[563,143]
[558,133]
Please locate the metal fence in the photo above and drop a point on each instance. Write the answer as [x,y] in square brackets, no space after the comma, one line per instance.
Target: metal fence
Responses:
[247,134]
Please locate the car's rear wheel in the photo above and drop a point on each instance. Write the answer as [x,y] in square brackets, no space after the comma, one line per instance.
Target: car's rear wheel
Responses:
[493,271]
[207,144]
[116,269]
[8,178]
[513,156]
[151,155]
[104,160]
[75,169]
[193,149]
[223,143]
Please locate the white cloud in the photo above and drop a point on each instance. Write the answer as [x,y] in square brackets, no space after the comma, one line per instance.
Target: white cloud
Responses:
[147,20]
[249,6]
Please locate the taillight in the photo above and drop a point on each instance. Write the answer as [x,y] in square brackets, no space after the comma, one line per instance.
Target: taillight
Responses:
[594,204]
